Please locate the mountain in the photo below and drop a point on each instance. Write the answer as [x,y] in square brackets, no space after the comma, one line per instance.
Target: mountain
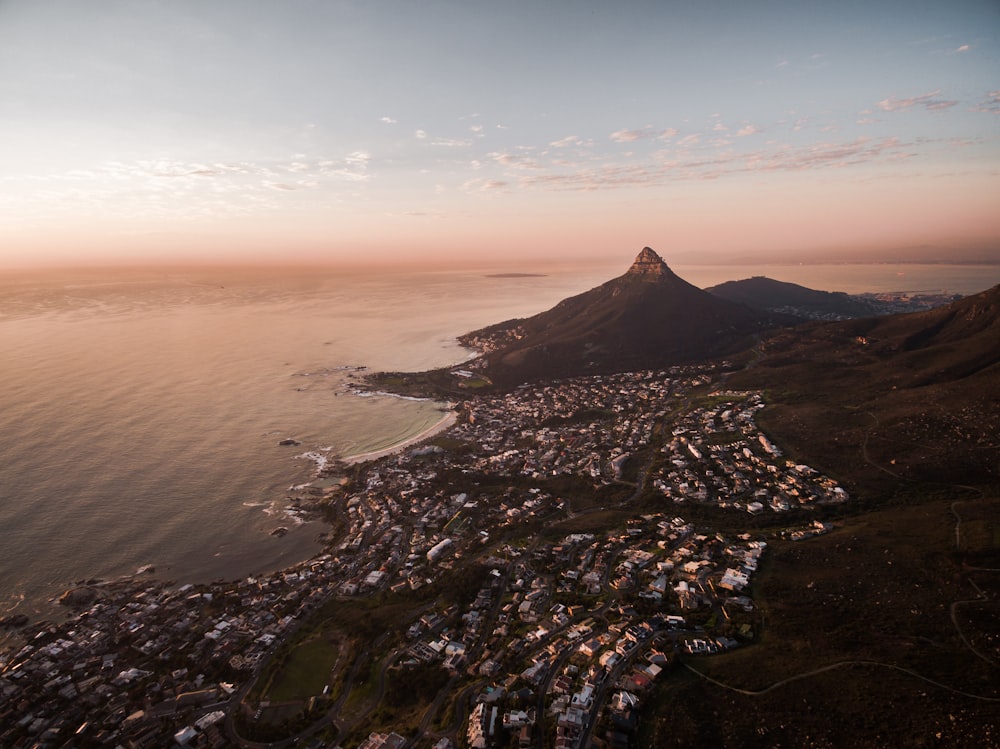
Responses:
[780,297]
[890,401]
[646,318]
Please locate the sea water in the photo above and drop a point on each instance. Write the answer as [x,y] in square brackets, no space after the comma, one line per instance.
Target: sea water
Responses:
[141,412]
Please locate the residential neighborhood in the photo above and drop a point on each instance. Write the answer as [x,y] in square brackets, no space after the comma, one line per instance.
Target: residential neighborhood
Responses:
[527,635]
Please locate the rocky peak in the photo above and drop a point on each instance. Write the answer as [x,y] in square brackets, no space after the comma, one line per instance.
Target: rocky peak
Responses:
[649,265]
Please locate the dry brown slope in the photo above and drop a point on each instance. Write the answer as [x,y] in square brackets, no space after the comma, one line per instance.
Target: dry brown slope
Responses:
[885,403]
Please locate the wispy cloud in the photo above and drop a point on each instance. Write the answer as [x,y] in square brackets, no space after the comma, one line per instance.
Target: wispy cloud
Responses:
[569,140]
[177,189]
[963,48]
[515,161]
[990,105]
[746,130]
[643,133]
[485,185]
[930,101]
[704,164]
[388,120]
[423,214]
[451,142]
[835,155]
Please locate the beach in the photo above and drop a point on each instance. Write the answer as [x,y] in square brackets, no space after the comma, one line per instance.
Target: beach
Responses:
[446,423]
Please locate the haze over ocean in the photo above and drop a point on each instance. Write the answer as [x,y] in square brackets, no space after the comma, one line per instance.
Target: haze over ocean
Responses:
[142,411]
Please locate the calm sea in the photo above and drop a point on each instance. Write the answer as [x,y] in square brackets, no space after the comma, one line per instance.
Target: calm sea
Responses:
[141,412]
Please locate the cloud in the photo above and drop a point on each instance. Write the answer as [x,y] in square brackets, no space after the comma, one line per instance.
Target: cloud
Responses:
[928,101]
[630,136]
[937,106]
[451,142]
[990,105]
[423,214]
[963,48]
[485,185]
[569,140]
[644,133]
[514,161]
[388,120]
[670,165]
[182,190]
[836,155]
[477,129]
[170,168]
[746,130]
[358,157]
[420,134]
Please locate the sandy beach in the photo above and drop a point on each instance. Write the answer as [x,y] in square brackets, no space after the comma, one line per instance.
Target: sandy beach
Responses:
[449,420]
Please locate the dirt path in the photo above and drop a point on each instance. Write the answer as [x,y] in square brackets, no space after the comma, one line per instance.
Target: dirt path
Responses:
[831,667]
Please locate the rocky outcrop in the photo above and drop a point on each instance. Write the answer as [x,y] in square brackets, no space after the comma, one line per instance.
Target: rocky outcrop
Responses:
[649,265]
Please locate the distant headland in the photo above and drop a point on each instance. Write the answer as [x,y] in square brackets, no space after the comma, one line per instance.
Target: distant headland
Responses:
[516,275]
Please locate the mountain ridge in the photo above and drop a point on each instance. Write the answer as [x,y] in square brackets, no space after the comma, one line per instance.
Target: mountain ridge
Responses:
[646,317]
[890,400]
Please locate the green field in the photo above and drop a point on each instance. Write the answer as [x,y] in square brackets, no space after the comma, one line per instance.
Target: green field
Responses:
[305,672]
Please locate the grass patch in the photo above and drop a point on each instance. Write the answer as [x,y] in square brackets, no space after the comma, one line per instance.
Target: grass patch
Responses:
[724,438]
[591,522]
[306,670]
[475,383]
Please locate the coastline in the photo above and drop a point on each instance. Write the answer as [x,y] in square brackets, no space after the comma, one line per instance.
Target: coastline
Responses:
[445,423]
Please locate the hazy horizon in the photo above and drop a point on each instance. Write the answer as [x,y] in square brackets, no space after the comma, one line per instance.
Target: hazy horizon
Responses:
[349,133]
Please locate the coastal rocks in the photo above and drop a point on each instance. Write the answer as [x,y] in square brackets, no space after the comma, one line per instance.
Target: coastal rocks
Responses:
[289,442]
[78,598]
[279,531]
[13,621]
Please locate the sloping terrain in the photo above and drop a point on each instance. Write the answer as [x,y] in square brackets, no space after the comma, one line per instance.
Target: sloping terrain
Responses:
[890,402]
[781,297]
[646,318]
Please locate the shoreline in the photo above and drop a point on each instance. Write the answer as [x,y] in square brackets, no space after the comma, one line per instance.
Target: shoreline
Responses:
[445,423]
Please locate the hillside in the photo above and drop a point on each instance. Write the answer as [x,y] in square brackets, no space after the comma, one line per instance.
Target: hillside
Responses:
[781,297]
[647,317]
[893,401]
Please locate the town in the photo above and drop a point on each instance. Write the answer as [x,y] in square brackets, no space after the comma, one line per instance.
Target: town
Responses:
[523,579]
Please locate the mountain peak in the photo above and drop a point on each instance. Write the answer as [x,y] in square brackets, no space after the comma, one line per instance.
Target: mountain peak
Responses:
[649,265]
[646,318]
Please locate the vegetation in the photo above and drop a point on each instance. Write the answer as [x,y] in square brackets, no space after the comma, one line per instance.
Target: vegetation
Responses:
[871,598]
[305,671]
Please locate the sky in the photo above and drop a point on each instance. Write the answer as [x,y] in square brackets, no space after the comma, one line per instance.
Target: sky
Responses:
[135,131]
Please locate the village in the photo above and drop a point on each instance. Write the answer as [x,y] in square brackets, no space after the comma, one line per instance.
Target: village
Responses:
[553,639]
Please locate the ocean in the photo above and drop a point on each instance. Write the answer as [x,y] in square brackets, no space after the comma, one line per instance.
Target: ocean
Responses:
[142,411]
